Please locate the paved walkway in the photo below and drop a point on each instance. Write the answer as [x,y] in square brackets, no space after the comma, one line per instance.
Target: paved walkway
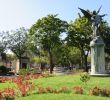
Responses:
[60,71]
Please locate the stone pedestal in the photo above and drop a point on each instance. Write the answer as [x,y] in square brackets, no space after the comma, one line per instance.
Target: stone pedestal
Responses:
[97,57]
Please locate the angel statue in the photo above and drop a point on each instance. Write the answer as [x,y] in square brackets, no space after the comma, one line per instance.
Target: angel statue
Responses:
[95,18]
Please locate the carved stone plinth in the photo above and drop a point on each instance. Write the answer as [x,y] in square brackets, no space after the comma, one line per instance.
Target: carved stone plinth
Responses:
[97,57]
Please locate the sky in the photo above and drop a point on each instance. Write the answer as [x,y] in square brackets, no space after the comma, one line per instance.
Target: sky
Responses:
[24,13]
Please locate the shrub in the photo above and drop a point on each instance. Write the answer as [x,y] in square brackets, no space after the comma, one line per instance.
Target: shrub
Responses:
[105,92]
[49,89]
[25,87]
[64,90]
[34,71]
[8,94]
[85,77]
[23,72]
[78,90]
[3,69]
[41,90]
[95,91]
[3,79]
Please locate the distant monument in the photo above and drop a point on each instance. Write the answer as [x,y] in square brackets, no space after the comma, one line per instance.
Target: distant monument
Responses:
[97,44]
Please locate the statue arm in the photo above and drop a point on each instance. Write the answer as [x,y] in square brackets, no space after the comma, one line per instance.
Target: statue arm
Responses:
[103,15]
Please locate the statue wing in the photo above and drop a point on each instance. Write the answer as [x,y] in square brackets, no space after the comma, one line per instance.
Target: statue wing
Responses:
[99,9]
[86,13]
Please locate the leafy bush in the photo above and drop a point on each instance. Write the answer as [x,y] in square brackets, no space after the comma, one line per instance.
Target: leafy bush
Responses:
[3,79]
[25,87]
[41,90]
[85,77]
[100,92]
[3,69]
[105,92]
[8,94]
[78,90]
[24,72]
[64,90]
[34,71]
[95,91]
[49,89]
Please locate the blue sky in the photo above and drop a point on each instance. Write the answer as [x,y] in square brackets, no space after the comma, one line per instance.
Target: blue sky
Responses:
[24,13]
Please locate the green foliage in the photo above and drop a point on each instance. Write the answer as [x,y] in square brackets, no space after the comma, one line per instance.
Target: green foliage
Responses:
[46,33]
[40,59]
[85,77]
[3,41]
[105,34]
[3,69]
[35,59]
[28,71]
[18,41]
[66,55]
[11,57]
[3,56]
[33,71]
[24,72]
[79,35]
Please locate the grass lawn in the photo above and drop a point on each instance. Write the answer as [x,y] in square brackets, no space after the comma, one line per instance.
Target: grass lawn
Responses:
[68,81]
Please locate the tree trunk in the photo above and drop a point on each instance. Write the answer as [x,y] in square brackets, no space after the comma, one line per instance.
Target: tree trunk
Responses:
[85,63]
[82,59]
[51,62]
[20,66]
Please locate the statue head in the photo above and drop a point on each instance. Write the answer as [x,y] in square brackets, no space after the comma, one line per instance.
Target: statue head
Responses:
[94,12]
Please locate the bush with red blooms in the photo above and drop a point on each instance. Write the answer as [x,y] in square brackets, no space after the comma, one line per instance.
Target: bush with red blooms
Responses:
[78,90]
[2,79]
[25,87]
[49,90]
[105,92]
[41,90]
[100,92]
[64,90]
[8,94]
[95,91]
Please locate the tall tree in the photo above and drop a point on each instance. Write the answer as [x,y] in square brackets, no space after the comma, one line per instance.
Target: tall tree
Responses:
[18,42]
[3,44]
[105,34]
[79,35]
[47,31]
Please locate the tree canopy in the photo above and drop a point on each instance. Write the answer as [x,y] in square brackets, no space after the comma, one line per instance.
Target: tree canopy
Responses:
[47,32]
[18,42]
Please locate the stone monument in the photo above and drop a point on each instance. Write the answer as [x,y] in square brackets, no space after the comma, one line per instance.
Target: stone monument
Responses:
[97,44]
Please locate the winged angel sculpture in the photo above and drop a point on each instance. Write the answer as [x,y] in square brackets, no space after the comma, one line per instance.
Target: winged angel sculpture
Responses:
[95,18]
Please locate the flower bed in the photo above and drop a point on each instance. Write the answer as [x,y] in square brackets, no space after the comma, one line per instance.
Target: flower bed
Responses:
[24,86]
